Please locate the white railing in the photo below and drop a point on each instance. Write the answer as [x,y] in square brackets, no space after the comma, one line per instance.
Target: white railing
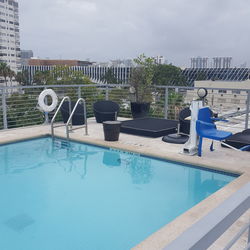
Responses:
[18,104]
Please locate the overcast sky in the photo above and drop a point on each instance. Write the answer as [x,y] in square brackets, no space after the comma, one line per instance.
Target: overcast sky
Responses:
[116,29]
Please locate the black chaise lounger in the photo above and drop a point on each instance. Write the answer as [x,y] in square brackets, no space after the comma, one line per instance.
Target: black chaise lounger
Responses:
[239,140]
[151,127]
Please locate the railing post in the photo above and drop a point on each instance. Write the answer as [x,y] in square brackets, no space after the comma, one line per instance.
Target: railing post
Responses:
[107,93]
[166,104]
[79,92]
[247,109]
[5,121]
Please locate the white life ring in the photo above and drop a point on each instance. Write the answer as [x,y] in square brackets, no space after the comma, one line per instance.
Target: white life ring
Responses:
[41,100]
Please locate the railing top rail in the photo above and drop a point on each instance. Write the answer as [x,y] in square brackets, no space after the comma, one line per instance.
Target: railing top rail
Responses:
[62,86]
[190,88]
[203,233]
[112,86]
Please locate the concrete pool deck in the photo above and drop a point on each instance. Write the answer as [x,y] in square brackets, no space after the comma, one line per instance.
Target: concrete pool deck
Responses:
[222,159]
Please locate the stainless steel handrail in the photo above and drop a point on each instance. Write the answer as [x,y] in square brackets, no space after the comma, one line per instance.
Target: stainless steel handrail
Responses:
[71,115]
[54,117]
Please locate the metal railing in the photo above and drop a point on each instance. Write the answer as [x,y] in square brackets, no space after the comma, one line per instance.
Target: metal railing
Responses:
[18,104]
[66,98]
[69,122]
[207,230]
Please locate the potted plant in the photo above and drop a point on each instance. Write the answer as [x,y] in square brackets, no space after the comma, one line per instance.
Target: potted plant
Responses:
[140,81]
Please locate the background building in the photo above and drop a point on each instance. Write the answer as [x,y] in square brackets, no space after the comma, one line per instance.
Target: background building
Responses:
[122,73]
[223,96]
[25,56]
[116,63]
[199,62]
[222,62]
[49,62]
[95,73]
[159,59]
[9,34]
[217,63]
[215,74]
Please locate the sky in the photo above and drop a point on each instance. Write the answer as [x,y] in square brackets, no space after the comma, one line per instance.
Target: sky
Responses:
[102,30]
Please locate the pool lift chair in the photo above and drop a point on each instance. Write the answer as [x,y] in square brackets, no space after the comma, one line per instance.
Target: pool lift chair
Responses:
[202,126]
[206,128]
[190,147]
[68,125]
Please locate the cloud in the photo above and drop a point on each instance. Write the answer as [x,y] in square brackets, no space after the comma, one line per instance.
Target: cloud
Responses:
[109,29]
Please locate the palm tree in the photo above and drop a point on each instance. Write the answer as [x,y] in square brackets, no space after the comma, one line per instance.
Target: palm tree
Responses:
[5,72]
[11,76]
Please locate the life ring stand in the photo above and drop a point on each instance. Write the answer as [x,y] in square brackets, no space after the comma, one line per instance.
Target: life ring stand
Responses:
[42,103]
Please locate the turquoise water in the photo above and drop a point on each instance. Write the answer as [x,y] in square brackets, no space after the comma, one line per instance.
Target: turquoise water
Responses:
[56,195]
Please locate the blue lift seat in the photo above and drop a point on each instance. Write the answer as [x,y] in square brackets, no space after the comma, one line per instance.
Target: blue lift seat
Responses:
[206,128]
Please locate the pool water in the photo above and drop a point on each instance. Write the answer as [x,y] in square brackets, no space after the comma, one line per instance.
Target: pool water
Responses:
[56,195]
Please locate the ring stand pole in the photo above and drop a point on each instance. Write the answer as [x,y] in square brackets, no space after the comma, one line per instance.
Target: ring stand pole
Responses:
[46,114]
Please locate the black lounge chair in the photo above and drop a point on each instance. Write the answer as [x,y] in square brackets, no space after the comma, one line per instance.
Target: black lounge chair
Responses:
[106,111]
[239,140]
[78,117]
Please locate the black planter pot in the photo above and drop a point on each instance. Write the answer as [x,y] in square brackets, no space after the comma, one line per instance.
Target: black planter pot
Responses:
[140,109]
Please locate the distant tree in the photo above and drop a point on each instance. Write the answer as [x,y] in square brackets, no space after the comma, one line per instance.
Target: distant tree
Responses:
[60,75]
[41,78]
[22,78]
[6,72]
[11,76]
[167,74]
[109,77]
[175,104]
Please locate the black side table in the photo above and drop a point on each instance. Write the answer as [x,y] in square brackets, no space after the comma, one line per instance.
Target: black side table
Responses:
[111,130]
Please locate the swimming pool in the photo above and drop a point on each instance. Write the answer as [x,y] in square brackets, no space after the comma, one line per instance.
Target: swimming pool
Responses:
[60,195]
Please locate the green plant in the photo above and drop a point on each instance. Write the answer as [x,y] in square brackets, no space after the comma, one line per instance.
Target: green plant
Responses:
[22,110]
[175,104]
[22,78]
[142,78]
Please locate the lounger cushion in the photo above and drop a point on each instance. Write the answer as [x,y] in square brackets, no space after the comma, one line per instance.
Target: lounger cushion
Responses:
[151,127]
[247,131]
[239,140]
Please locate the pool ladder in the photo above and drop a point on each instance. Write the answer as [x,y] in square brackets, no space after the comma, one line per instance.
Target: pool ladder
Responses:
[68,125]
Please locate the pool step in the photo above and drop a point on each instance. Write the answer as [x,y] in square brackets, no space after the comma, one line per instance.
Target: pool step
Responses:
[61,144]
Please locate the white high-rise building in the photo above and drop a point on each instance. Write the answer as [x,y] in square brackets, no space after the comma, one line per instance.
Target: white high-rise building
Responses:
[159,59]
[9,34]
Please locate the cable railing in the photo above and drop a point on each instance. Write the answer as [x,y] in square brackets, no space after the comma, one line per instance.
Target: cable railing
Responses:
[18,104]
